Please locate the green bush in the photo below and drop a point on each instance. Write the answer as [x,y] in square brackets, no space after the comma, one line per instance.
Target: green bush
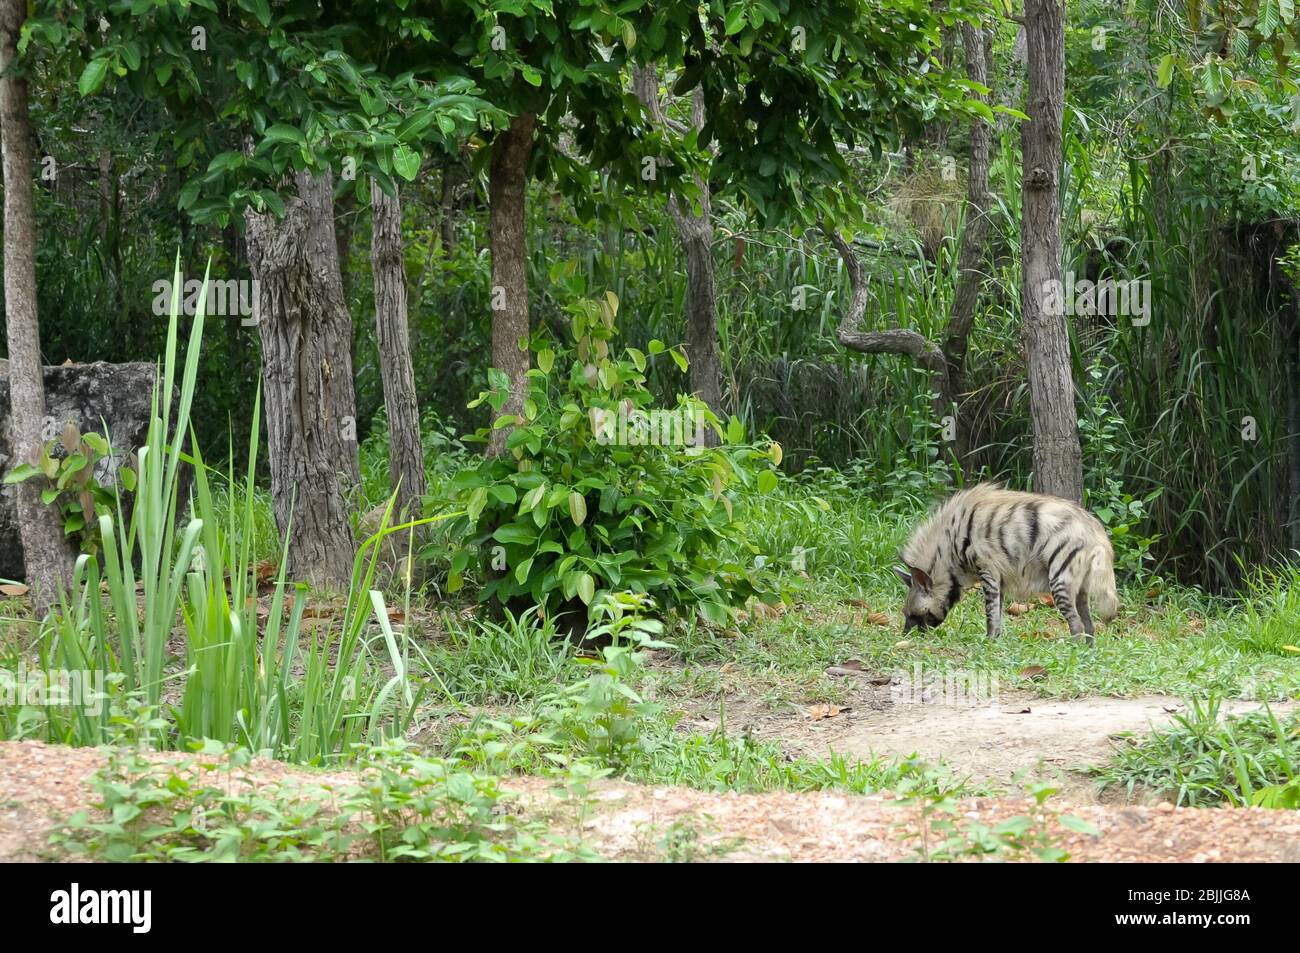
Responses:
[597,491]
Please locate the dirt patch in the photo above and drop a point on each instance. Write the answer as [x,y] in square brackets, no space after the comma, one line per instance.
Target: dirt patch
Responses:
[40,784]
[1000,742]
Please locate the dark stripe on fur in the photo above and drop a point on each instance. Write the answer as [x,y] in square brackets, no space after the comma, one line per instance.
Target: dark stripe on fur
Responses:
[1052,573]
[954,593]
[965,546]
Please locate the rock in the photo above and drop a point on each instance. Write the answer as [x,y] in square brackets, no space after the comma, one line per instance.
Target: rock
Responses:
[90,395]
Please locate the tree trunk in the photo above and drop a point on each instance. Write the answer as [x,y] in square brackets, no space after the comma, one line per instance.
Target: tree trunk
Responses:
[1015,79]
[1289,334]
[695,231]
[44,554]
[447,205]
[1057,460]
[344,208]
[306,334]
[974,239]
[507,185]
[387,262]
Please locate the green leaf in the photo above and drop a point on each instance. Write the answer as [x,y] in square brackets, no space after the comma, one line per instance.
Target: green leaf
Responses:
[282,133]
[577,507]
[532,498]
[586,588]
[93,76]
[261,9]
[514,533]
[406,162]
[1079,825]
[766,481]
[24,471]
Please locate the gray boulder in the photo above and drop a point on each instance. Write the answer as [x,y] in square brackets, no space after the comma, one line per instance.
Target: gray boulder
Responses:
[91,396]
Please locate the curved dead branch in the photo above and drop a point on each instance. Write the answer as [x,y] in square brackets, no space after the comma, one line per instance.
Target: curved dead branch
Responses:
[890,341]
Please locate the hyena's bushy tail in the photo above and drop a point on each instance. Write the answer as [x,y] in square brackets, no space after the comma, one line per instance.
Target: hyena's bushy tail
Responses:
[1103,599]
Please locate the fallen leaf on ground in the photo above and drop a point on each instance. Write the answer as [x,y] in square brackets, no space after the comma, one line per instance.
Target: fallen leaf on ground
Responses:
[1044,600]
[1017,608]
[877,618]
[14,589]
[860,603]
[1036,634]
[1034,673]
[822,712]
[267,570]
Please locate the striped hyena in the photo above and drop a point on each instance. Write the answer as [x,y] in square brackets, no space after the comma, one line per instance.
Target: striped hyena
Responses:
[1014,544]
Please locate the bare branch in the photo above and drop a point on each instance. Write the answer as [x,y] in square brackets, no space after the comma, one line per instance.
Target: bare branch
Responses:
[890,341]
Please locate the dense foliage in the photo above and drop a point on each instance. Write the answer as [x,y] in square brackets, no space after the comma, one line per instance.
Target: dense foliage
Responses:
[600,490]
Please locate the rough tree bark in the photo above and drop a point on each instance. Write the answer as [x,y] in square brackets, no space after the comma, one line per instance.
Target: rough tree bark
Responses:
[1289,341]
[507,185]
[344,210]
[46,560]
[447,204]
[695,232]
[974,238]
[1058,465]
[387,260]
[306,334]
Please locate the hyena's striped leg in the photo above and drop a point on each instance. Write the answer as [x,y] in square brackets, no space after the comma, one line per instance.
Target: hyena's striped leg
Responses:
[992,603]
[1081,605]
[1061,596]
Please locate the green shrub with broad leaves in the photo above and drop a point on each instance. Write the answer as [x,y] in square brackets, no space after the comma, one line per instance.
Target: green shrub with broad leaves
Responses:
[66,471]
[597,490]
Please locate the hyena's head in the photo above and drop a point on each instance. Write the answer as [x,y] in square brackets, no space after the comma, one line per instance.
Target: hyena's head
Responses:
[924,608]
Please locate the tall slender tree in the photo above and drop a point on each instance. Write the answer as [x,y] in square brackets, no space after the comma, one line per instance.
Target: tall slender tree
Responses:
[694,223]
[1058,467]
[507,191]
[44,556]
[974,239]
[388,263]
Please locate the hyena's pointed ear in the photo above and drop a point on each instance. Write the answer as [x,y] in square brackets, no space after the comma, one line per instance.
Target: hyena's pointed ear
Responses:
[904,575]
[920,577]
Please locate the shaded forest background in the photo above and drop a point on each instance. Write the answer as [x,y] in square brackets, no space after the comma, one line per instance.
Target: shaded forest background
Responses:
[1203,210]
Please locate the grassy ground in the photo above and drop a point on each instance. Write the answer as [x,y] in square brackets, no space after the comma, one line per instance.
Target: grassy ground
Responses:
[508,697]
